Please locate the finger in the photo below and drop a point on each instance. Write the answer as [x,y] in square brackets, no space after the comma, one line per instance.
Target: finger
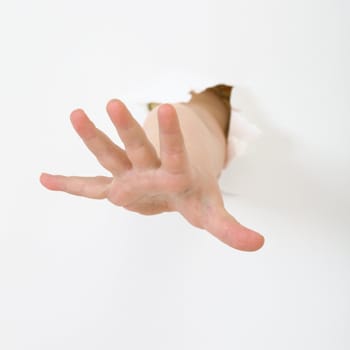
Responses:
[138,148]
[109,155]
[90,187]
[226,228]
[173,154]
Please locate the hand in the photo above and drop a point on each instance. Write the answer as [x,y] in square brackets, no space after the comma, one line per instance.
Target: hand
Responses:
[148,183]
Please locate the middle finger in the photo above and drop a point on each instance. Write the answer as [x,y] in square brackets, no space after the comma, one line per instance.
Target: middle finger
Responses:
[139,149]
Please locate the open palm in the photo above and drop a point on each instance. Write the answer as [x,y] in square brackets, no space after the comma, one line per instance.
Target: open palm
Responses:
[149,183]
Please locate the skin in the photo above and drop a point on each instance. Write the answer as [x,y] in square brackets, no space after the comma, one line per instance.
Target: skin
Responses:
[171,164]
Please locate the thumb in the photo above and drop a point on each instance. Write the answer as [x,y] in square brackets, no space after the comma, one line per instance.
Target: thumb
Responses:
[226,228]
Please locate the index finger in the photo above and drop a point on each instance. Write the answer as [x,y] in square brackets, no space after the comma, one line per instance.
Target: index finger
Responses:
[173,153]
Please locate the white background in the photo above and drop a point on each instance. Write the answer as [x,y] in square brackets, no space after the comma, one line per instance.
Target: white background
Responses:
[82,274]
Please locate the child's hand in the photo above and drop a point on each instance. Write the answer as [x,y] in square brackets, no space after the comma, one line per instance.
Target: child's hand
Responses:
[149,184]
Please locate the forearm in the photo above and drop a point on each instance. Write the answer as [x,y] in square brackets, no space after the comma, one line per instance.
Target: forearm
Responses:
[203,133]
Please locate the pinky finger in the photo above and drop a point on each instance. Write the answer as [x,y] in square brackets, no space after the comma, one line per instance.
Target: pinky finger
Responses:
[90,187]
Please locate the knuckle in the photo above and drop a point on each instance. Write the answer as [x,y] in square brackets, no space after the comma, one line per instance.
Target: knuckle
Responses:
[135,144]
[180,184]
